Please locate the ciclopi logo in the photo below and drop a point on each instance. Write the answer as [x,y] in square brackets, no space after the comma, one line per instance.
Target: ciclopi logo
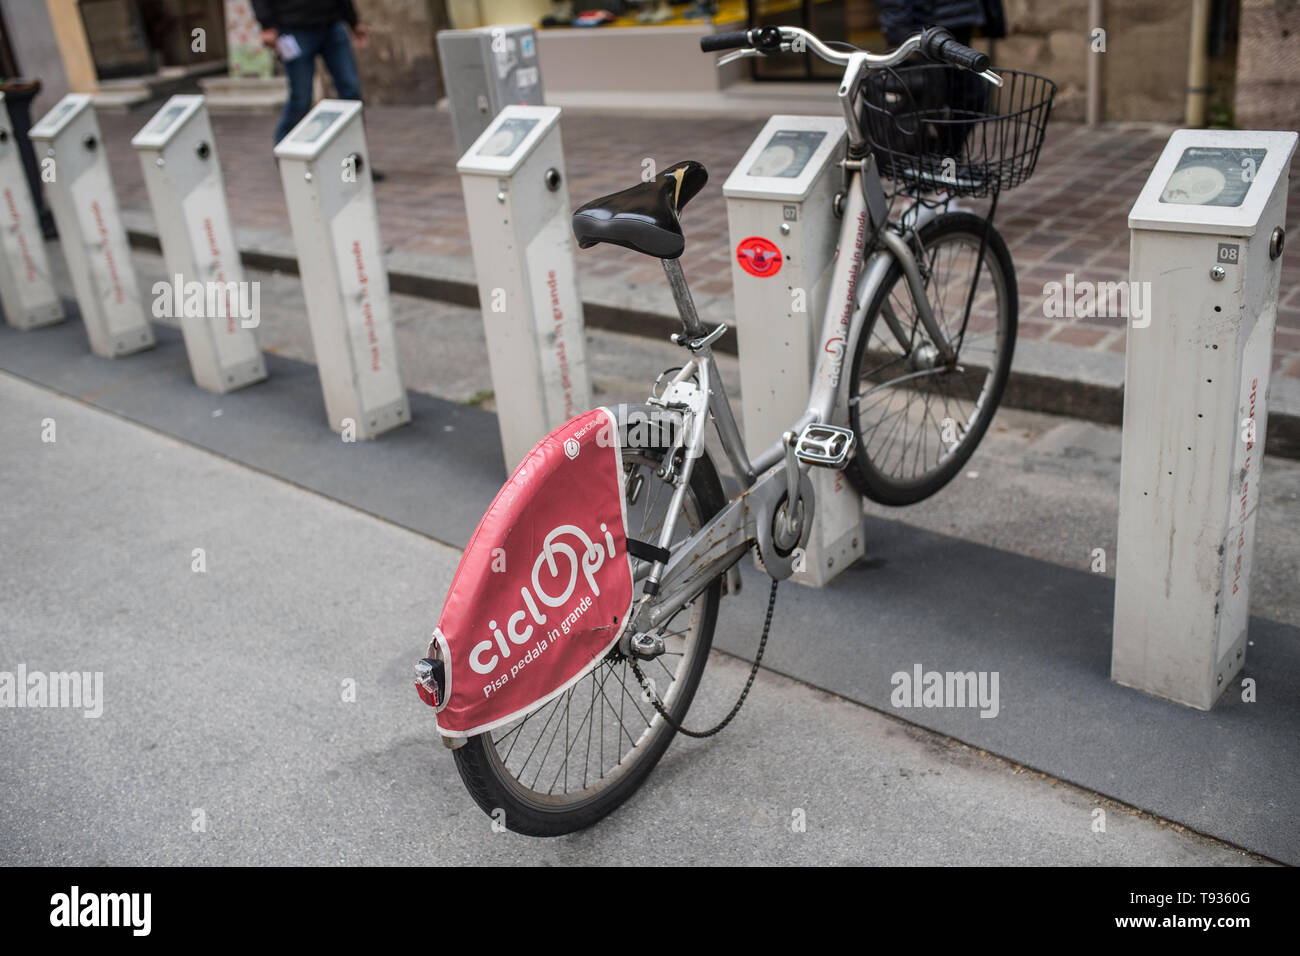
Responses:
[590,556]
[759,257]
[835,344]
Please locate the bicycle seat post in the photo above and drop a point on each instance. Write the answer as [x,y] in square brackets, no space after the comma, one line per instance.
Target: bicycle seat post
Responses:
[682,296]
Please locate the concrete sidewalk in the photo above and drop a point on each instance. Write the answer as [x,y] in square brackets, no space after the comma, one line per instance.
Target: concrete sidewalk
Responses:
[226,736]
[1071,217]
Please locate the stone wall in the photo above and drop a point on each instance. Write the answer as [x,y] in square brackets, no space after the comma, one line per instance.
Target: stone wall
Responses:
[1268,72]
[400,65]
[1144,68]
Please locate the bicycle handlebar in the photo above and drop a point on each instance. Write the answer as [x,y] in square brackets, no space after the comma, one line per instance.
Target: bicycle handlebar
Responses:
[783,40]
[725,41]
[935,42]
[938,44]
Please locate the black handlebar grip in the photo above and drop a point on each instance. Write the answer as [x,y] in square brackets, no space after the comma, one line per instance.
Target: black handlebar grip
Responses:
[938,44]
[960,55]
[725,41]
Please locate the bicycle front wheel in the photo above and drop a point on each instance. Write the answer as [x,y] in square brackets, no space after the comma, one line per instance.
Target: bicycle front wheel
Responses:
[917,418]
[575,759]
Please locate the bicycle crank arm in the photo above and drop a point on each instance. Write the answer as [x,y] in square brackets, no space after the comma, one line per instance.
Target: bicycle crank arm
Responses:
[695,562]
[756,517]
[791,467]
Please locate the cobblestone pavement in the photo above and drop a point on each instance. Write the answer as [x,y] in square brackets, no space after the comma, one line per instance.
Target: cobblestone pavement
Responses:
[1071,217]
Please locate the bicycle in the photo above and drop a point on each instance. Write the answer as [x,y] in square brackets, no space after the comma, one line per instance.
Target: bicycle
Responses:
[920,328]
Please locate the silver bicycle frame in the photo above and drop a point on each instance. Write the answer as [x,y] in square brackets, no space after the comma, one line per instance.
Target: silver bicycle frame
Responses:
[746,519]
[729,535]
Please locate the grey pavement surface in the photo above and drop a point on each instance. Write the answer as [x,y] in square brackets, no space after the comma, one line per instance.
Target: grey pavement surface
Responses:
[921,597]
[224,693]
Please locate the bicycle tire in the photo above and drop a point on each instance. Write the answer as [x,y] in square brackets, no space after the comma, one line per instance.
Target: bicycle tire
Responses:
[868,470]
[489,781]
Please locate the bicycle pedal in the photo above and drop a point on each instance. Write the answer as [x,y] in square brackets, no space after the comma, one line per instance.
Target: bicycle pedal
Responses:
[826,446]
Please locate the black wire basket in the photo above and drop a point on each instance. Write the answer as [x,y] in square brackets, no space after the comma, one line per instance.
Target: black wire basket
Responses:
[937,127]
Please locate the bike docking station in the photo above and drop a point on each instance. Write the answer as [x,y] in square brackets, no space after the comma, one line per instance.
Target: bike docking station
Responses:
[26,289]
[208,295]
[335,225]
[781,216]
[520,232]
[486,69]
[69,145]
[1207,237]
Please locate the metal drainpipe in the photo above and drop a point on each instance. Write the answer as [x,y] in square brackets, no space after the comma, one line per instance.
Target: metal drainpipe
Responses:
[1094,64]
[1198,64]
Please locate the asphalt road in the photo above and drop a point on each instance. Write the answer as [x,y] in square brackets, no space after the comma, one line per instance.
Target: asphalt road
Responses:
[227,736]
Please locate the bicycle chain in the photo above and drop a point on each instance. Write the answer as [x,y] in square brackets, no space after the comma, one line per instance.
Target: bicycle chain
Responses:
[753,672]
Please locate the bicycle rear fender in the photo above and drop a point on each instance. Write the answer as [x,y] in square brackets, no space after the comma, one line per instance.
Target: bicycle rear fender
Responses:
[544,589]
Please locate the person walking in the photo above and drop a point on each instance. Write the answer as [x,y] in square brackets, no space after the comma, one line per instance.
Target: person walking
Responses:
[300,31]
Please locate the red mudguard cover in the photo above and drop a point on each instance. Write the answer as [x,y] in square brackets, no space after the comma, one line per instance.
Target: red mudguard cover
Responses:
[544,588]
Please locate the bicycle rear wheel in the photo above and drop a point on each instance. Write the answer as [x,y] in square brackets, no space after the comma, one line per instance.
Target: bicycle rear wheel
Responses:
[917,419]
[575,759]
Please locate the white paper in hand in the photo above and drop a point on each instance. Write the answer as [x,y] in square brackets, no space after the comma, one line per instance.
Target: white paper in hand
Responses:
[287,46]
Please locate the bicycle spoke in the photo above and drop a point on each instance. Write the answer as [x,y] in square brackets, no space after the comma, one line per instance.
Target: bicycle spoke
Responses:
[529,758]
[901,408]
[580,739]
[590,727]
[572,743]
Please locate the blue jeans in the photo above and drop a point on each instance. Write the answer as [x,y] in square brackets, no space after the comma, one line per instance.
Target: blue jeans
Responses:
[332,44]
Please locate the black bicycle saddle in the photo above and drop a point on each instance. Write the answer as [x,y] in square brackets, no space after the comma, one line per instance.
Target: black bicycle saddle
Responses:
[644,217]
